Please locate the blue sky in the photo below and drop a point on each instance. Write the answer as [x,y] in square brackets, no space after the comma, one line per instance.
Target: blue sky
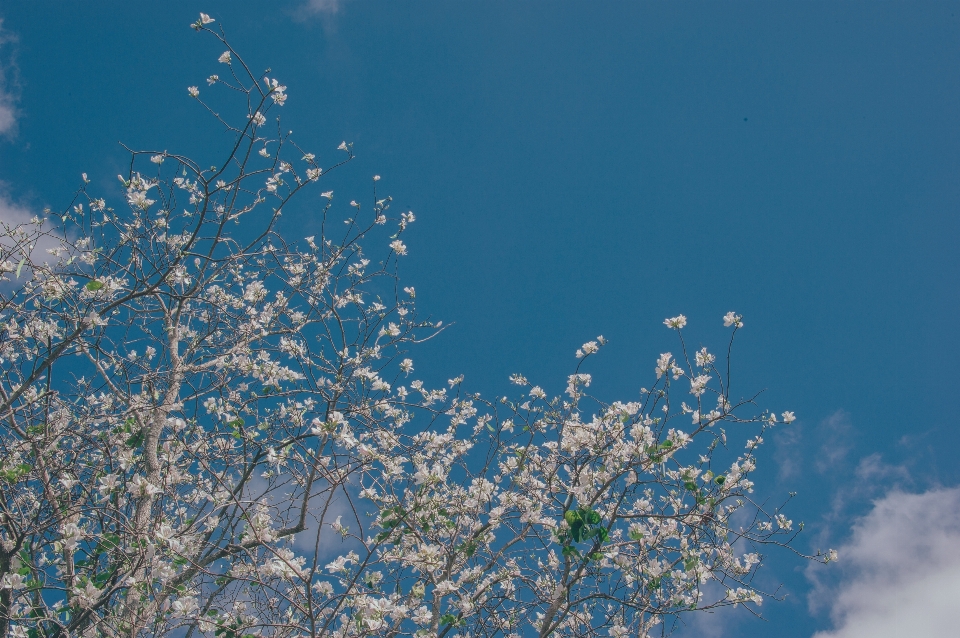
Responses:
[591,168]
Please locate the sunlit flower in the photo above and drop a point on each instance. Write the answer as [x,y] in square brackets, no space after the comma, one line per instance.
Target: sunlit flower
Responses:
[141,487]
[677,322]
[587,349]
[732,319]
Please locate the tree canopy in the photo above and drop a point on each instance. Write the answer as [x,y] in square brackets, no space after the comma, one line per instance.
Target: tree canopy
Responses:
[210,429]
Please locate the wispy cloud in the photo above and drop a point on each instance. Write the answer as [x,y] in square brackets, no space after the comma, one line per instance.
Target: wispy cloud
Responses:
[900,571]
[9,91]
[836,433]
[824,447]
[717,623]
[325,12]
[327,7]
[318,535]
[12,213]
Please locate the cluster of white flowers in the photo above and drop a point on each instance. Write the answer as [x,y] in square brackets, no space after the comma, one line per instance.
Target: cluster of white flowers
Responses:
[677,322]
[732,319]
[590,347]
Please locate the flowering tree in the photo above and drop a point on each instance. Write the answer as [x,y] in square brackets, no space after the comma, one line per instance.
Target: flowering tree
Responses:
[207,430]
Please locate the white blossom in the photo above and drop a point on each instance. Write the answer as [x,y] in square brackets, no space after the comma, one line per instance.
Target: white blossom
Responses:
[675,322]
[732,319]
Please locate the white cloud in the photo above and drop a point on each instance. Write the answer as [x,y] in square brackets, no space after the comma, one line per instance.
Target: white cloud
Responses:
[325,506]
[7,116]
[836,432]
[329,7]
[8,92]
[13,214]
[900,571]
[823,447]
[715,623]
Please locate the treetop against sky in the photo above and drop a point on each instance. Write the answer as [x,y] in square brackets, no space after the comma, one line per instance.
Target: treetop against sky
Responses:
[580,171]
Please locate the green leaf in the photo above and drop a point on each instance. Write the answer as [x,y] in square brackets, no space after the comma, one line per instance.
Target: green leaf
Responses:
[110,541]
[584,524]
[93,285]
[13,475]
[570,550]
[720,479]
[448,619]
[101,578]
[690,485]
[136,440]
[20,266]
[576,530]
